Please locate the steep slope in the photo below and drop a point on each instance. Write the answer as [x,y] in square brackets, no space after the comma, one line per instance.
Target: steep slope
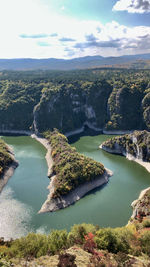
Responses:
[70,106]
[17,100]
[121,101]
[134,146]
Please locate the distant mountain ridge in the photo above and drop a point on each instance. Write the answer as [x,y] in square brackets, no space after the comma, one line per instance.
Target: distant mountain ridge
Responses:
[127,61]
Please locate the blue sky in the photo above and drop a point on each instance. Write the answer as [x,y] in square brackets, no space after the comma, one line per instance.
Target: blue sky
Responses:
[73,28]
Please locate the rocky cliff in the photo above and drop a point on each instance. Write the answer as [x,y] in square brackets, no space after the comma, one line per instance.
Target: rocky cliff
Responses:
[68,107]
[136,144]
[141,206]
[112,104]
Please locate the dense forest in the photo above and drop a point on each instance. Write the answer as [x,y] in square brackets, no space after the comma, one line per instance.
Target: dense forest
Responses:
[99,98]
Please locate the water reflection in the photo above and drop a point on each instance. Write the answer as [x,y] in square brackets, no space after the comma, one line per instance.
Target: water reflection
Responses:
[14,216]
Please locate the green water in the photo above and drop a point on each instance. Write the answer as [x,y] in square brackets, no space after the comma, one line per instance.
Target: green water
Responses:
[25,192]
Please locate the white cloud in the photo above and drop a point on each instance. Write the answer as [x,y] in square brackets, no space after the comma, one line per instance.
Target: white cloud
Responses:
[30,29]
[115,39]
[132,6]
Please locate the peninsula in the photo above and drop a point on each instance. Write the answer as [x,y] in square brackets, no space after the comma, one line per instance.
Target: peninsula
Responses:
[72,174]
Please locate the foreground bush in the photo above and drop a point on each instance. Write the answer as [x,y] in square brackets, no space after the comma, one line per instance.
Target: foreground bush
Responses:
[145,242]
[57,240]
[113,240]
[124,240]
[33,245]
[36,245]
[78,232]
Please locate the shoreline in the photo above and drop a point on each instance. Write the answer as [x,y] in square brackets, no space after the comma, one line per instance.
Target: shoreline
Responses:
[98,130]
[81,129]
[48,156]
[117,132]
[55,204]
[49,160]
[51,205]
[15,132]
[135,203]
[144,164]
[9,171]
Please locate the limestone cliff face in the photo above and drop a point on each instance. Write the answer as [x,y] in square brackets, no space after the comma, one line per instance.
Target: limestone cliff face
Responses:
[146,108]
[124,108]
[136,144]
[70,107]
[141,206]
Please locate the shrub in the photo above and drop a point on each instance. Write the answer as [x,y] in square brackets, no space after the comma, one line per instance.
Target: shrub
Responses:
[112,240]
[145,242]
[89,244]
[78,232]
[106,239]
[33,245]
[146,223]
[57,240]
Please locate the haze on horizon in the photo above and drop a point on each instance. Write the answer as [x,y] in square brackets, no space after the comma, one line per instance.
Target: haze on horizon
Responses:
[73,28]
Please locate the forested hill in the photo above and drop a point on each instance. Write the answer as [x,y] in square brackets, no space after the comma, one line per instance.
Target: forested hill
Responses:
[100,98]
[129,61]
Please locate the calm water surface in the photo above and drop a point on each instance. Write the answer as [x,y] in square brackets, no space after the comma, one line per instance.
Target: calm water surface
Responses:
[25,192]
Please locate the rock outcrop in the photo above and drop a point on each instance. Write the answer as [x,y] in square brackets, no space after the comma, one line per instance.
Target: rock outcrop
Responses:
[135,146]
[110,104]
[141,206]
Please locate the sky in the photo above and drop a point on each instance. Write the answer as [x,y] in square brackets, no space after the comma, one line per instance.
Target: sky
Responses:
[73,28]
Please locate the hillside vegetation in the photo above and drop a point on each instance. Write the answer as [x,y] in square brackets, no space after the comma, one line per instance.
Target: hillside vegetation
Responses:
[5,157]
[99,98]
[84,245]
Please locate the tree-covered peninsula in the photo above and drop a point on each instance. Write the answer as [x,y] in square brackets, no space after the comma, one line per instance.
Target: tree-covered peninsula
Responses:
[70,167]
[72,174]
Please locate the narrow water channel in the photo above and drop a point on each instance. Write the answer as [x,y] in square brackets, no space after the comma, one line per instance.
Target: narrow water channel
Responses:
[25,192]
